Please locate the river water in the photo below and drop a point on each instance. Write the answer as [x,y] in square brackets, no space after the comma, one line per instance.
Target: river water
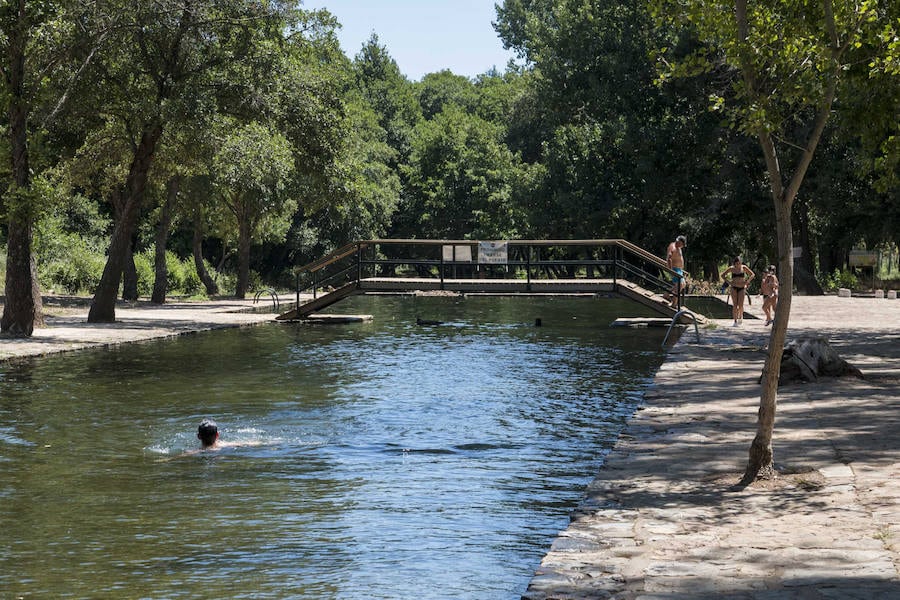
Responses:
[381,460]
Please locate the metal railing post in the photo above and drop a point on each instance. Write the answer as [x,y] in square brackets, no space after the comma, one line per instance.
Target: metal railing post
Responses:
[298,288]
[441,267]
[528,268]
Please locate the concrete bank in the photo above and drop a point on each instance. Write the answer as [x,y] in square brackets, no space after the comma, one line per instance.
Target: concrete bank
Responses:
[67,327]
[664,518]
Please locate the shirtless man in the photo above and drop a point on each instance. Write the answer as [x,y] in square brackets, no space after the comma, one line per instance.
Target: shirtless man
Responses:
[769,290]
[675,261]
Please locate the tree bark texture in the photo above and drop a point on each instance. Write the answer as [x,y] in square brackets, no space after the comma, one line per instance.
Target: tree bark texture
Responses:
[804,275]
[212,288]
[129,274]
[160,268]
[22,308]
[103,307]
[243,281]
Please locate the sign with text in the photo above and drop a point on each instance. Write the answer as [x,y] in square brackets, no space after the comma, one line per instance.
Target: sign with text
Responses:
[492,253]
[457,253]
[863,258]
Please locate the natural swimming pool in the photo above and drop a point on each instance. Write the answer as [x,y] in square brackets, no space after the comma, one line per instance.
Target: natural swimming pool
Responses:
[396,461]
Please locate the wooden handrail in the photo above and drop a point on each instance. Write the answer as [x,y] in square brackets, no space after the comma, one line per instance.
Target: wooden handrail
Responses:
[334,256]
[352,247]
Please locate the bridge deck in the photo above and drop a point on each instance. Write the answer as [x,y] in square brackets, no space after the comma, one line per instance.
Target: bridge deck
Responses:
[504,286]
[619,287]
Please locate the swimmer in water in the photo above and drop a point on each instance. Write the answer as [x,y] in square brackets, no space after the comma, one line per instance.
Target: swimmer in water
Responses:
[208,434]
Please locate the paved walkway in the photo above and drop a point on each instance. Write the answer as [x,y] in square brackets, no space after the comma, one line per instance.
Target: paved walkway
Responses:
[664,519]
[68,329]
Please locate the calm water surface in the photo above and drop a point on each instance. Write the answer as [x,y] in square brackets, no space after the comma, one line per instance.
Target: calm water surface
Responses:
[395,461]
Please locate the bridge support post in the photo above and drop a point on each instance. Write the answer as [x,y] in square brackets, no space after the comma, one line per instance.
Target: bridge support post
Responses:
[528,268]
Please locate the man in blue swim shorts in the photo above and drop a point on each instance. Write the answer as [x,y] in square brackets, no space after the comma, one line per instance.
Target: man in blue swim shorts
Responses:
[675,261]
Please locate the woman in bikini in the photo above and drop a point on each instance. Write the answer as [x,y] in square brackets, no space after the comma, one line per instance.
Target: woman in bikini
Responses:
[769,289]
[741,275]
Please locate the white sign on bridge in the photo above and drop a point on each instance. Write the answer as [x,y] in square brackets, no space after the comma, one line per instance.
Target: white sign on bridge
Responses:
[492,253]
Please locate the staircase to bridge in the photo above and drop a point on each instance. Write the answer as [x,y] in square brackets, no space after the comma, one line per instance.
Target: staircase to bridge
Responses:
[538,267]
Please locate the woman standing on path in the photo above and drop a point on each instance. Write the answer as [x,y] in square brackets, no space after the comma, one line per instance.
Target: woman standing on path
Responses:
[769,290]
[741,275]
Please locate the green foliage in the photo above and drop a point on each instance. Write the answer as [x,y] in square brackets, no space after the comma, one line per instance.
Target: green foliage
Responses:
[843,278]
[181,275]
[462,178]
[78,271]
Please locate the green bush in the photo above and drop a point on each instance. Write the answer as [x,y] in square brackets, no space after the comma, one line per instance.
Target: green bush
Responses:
[143,264]
[181,276]
[78,271]
[841,279]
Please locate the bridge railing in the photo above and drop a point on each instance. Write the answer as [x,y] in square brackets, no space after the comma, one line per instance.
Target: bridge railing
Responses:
[526,260]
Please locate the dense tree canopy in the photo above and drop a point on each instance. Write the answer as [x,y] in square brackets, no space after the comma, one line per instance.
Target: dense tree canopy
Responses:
[625,119]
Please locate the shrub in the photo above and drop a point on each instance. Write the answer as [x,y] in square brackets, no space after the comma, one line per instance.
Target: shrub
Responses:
[841,279]
[79,271]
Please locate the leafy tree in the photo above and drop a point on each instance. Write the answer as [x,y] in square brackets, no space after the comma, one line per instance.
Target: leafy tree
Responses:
[788,60]
[462,179]
[251,172]
[364,189]
[437,90]
[622,157]
[390,93]
[168,60]
[45,47]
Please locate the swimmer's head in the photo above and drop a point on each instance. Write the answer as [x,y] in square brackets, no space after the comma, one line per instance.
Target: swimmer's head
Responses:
[208,432]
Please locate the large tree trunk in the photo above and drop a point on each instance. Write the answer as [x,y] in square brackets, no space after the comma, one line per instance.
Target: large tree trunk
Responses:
[212,288]
[243,281]
[129,273]
[103,307]
[22,308]
[804,276]
[160,268]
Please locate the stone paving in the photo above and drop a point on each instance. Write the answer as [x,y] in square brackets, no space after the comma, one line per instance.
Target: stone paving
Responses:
[67,327]
[664,519]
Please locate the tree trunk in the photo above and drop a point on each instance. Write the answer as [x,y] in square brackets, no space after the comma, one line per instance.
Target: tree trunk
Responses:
[212,288]
[761,463]
[243,281]
[22,308]
[103,307]
[160,268]
[805,277]
[129,274]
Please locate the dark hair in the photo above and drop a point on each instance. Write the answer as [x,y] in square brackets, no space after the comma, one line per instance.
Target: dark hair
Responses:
[736,259]
[681,239]
[772,269]
[207,432]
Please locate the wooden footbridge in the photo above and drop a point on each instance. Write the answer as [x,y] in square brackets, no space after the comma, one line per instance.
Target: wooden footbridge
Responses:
[558,267]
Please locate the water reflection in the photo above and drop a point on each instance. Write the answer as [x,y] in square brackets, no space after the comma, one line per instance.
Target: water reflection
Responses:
[395,460]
